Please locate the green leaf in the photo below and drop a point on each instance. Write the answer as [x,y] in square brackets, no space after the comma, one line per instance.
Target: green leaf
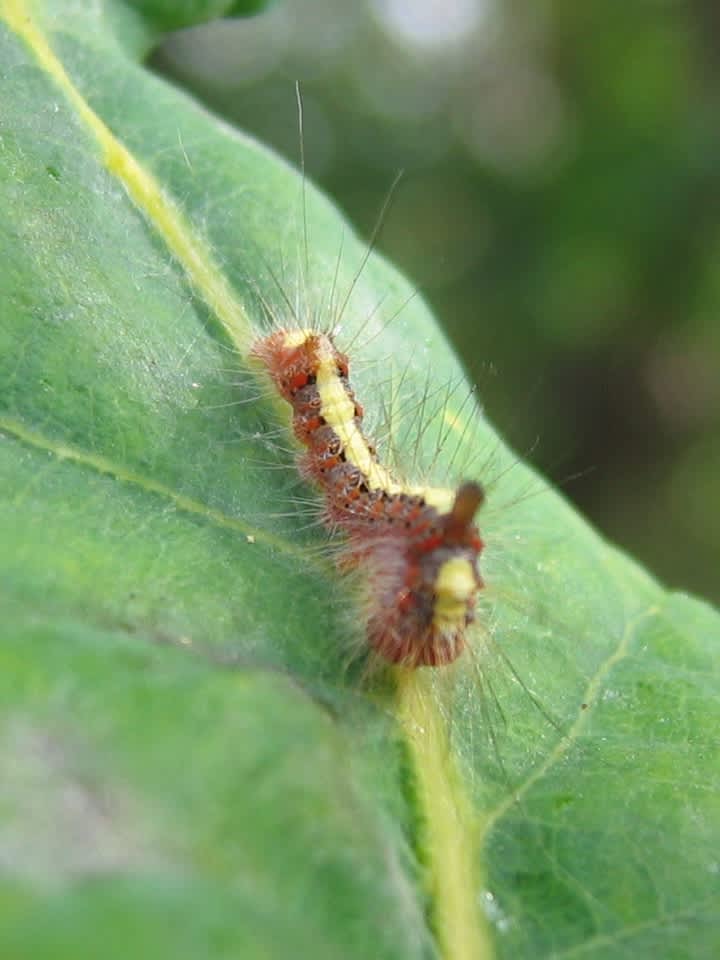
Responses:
[175,14]
[188,765]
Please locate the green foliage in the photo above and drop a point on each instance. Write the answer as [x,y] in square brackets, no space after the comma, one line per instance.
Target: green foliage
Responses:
[188,766]
[175,14]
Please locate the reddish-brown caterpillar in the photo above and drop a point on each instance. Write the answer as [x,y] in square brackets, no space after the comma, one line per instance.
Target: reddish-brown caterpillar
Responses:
[418,547]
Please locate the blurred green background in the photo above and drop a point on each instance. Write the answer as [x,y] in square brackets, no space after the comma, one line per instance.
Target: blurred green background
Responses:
[560,210]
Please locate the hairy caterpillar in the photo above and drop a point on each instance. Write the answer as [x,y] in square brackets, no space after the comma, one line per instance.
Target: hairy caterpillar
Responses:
[418,548]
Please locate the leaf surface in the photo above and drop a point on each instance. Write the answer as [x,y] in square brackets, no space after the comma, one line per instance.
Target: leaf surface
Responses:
[189,765]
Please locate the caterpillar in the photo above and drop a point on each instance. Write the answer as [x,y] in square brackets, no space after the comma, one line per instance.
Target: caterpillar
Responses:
[418,548]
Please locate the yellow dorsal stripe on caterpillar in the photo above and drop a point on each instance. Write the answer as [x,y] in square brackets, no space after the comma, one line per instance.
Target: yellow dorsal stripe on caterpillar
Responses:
[456,580]
[339,412]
